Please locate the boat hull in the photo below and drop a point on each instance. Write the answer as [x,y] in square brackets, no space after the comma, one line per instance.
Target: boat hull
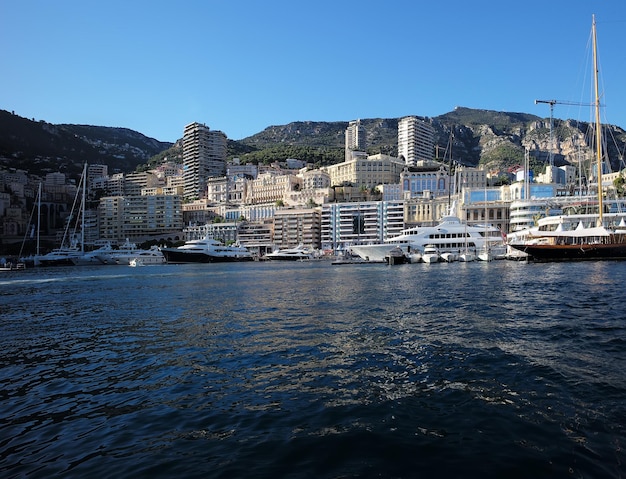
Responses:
[287,257]
[574,252]
[173,256]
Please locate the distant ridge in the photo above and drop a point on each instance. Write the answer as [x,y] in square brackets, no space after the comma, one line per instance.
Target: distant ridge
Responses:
[40,147]
[479,137]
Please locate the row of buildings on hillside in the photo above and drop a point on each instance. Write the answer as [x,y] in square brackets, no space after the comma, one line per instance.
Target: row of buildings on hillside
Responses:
[365,198]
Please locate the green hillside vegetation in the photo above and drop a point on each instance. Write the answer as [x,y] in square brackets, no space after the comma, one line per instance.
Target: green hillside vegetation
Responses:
[317,155]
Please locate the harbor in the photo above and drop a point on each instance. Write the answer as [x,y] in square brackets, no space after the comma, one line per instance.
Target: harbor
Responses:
[298,368]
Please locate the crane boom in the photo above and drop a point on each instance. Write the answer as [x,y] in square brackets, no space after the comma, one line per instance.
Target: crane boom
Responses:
[563,102]
[552,103]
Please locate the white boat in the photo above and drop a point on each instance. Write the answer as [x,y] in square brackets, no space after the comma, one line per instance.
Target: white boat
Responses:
[63,256]
[484,254]
[91,257]
[11,266]
[206,250]
[449,235]
[129,251]
[299,253]
[467,257]
[71,250]
[449,256]
[136,262]
[414,257]
[431,254]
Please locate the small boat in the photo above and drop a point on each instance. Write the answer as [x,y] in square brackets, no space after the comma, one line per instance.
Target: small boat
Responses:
[396,256]
[449,256]
[290,254]
[484,254]
[430,254]
[467,257]
[135,262]
[414,257]
[11,266]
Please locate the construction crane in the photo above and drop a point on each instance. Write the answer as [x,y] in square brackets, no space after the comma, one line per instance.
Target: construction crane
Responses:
[552,103]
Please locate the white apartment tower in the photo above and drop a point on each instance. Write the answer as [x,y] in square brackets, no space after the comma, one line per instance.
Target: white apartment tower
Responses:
[415,140]
[355,138]
[204,156]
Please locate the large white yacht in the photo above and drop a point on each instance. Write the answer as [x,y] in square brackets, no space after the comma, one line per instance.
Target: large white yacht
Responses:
[206,250]
[298,253]
[450,235]
[129,251]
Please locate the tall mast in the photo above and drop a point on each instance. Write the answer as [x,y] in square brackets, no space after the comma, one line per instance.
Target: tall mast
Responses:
[82,221]
[38,217]
[598,126]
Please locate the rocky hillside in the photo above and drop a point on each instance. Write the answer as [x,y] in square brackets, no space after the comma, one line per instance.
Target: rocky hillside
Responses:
[479,137]
[40,147]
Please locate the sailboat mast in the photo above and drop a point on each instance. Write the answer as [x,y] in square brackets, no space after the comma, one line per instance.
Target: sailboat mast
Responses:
[598,126]
[38,217]
[82,220]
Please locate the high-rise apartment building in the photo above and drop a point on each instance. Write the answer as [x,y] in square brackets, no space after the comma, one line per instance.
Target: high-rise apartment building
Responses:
[204,156]
[415,140]
[356,138]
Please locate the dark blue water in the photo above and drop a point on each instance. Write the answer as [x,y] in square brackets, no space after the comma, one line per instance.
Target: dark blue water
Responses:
[311,370]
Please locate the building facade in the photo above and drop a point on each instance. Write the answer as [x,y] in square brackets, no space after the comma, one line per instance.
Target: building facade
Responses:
[367,172]
[346,224]
[428,181]
[297,226]
[415,140]
[204,156]
[355,138]
[139,217]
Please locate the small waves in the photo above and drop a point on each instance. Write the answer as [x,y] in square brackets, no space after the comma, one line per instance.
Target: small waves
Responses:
[304,370]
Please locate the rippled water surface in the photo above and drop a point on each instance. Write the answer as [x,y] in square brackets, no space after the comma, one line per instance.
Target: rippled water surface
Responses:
[312,370]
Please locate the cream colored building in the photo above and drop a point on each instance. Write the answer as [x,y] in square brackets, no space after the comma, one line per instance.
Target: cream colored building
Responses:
[139,217]
[270,187]
[297,226]
[368,172]
[425,211]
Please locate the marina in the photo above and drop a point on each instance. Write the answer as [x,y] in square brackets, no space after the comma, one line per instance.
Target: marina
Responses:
[300,368]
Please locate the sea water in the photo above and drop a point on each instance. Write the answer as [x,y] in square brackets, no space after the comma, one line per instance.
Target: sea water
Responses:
[308,369]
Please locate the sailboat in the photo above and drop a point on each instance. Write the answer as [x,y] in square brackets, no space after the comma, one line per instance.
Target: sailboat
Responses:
[71,250]
[484,253]
[466,256]
[579,237]
[31,230]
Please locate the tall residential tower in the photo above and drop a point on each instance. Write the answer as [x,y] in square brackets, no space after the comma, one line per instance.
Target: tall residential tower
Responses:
[204,156]
[415,140]
[355,139]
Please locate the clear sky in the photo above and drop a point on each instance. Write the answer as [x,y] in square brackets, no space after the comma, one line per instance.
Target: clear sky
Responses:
[240,66]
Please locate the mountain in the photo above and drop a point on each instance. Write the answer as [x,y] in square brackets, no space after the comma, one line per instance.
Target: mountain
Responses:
[40,147]
[497,140]
[479,137]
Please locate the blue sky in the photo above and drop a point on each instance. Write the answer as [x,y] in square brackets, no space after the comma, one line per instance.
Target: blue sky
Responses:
[241,66]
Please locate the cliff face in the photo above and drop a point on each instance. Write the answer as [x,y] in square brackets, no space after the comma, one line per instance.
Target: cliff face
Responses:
[479,137]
